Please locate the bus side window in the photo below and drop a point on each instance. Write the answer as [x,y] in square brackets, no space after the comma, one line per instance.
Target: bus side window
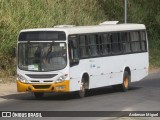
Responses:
[84,48]
[135,41]
[93,45]
[100,42]
[116,44]
[106,44]
[73,52]
[143,40]
[126,45]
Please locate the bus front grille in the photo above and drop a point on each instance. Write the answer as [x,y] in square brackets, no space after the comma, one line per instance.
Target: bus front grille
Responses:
[41,76]
[41,86]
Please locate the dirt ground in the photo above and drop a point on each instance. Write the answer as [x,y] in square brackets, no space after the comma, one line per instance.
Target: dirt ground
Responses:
[8,88]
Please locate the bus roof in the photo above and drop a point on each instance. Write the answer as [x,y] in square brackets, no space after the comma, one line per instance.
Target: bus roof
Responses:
[91,29]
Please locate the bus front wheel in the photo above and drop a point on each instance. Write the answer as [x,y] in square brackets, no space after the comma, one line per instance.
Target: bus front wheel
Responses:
[81,93]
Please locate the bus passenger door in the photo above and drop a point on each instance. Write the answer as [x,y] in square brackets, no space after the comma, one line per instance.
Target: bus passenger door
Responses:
[73,63]
[73,52]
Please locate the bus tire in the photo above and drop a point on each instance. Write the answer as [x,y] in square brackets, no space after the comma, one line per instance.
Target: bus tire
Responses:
[81,93]
[38,95]
[126,80]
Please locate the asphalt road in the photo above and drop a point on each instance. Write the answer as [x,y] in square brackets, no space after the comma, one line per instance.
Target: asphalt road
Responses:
[142,96]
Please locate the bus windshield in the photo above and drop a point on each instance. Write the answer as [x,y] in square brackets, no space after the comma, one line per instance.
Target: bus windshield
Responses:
[42,56]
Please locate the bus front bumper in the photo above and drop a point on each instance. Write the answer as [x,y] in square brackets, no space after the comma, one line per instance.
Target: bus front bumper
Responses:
[54,87]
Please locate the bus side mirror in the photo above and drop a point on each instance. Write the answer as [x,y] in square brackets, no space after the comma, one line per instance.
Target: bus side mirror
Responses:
[14,52]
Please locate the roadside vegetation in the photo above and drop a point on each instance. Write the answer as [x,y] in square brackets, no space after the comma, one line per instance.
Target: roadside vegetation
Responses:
[22,14]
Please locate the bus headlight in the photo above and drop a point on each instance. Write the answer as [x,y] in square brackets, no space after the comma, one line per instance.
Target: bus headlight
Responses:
[22,78]
[61,78]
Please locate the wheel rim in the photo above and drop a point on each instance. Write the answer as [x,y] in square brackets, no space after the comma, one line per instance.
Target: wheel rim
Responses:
[126,82]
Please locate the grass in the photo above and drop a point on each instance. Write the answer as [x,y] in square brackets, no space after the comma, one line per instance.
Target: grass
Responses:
[17,14]
[21,14]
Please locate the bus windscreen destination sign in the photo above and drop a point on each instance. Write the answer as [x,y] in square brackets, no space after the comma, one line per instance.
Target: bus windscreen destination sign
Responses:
[42,36]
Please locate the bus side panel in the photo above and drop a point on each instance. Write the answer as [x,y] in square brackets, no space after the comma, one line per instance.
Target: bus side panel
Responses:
[137,63]
[75,77]
[139,66]
[98,78]
[105,71]
[113,66]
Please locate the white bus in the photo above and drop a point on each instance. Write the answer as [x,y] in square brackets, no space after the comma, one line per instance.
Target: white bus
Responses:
[77,58]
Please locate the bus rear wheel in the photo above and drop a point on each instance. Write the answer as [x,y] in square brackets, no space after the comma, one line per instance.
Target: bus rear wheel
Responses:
[126,79]
[38,95]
